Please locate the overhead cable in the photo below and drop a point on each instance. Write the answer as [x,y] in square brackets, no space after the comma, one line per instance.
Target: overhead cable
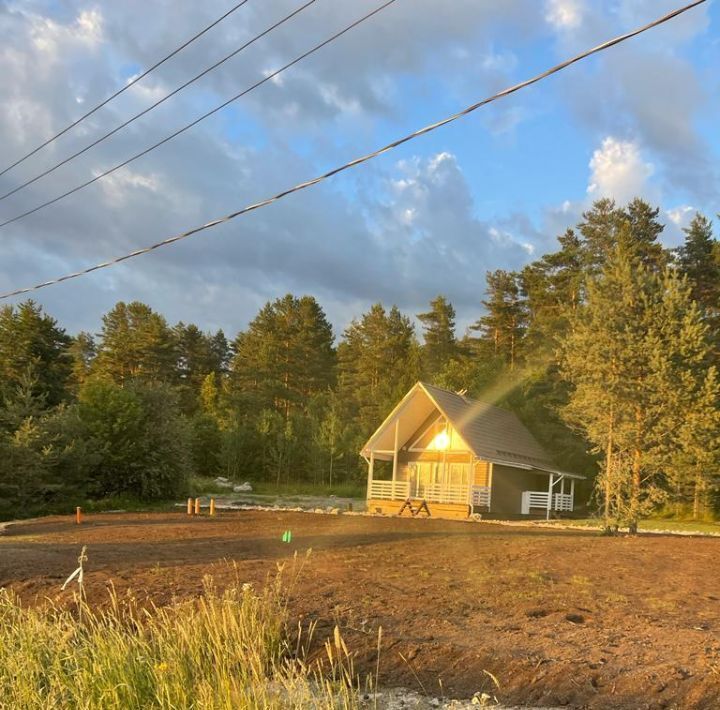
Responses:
[147,110]
[365,158]
[256,85]
[125,87]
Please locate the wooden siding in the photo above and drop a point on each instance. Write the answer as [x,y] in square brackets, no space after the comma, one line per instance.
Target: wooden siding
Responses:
[482,473]
[406,457]
[451,511]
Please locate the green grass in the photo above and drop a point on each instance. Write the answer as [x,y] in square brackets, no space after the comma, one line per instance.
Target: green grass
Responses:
[205,485]
[300,488]
[652,525]
[221,650]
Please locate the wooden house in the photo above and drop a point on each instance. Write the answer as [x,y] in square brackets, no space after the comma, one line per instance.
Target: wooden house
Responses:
[461,457]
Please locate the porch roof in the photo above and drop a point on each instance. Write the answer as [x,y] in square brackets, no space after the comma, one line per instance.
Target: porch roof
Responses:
[492,434]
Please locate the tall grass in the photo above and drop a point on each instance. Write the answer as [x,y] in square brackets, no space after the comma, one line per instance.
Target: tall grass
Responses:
[224,649]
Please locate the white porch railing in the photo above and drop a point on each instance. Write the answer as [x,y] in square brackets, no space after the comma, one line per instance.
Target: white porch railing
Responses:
[533,499]
[480,496]
[431,492]
[443,492]
[539,499]
[389,490]
[563,502]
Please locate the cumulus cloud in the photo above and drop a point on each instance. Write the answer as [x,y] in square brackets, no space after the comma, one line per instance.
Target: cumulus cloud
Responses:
[401,229]
[618,170]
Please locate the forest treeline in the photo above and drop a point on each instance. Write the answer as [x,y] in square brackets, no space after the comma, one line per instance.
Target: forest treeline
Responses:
[606,348]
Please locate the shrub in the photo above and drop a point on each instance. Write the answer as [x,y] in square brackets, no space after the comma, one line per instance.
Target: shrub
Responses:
[143,439]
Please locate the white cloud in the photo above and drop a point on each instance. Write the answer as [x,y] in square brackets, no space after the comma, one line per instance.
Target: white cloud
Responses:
[564,14]
[49,36]
[680,215]
[119,185]
[618,171]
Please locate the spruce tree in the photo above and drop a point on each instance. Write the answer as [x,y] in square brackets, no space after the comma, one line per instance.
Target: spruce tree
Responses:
[699,259]
[30,339]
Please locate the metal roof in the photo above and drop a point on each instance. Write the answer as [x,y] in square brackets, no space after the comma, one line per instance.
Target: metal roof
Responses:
[491,433]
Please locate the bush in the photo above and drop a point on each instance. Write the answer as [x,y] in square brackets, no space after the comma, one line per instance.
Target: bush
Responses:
[142,438]
[205,444]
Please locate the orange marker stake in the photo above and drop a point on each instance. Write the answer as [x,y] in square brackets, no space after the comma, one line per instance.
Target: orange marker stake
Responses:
[197,506]
[190,506]
[212,506]
[78,515]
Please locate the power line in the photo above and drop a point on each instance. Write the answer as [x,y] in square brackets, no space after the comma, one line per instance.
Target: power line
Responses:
[160,101]
[126,87]
[257,84]
[369,156]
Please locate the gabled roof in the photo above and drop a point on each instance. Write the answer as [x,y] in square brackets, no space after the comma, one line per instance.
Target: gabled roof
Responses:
[491,433]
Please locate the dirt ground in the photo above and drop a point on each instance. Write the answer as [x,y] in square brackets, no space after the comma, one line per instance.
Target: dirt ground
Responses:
[556,617]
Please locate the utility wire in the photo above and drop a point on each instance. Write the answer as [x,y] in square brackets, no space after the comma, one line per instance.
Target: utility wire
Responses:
[358,161]
[126,87]
[160,101]
[256,85]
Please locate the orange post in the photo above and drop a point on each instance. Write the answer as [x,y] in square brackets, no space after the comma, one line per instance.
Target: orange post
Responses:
[190,506]
[212,506]
[78,515]
[197,506]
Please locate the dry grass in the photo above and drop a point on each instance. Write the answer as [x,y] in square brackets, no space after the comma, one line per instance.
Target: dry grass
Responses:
[221,650]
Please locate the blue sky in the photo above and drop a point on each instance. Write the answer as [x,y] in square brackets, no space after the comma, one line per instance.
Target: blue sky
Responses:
[490,191]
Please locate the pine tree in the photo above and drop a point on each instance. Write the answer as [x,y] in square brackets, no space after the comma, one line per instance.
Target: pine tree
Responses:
[378,361]
[440,346]
[285,356]
[635,229]
[644,230]
[553,288]
[636,358]
[83,351]
[198,355]
[598,231]
[505,322]
[136,343]
[685,404]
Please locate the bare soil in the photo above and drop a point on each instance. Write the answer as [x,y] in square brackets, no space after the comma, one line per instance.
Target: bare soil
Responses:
[556,617]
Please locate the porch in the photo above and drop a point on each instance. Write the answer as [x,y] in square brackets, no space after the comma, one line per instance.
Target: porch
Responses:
[466,494]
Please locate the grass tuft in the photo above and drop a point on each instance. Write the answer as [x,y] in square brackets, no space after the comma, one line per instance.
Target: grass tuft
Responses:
[222,650]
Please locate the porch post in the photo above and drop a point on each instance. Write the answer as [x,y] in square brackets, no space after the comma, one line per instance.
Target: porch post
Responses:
[371,466]
[395,455]
[444,487]
[572,495]
[490,484]
[550,493]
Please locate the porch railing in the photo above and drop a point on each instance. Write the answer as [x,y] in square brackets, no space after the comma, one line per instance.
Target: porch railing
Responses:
[389,490]
[443,492]
[562,502]
[480,496]
[431,492]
